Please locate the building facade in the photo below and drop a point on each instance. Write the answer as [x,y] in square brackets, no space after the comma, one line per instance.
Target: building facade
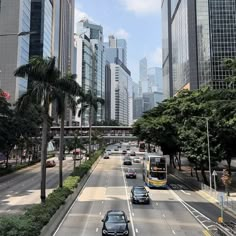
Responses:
[202,35]
[63,33]
[41,22]
[91,64]
[14,49]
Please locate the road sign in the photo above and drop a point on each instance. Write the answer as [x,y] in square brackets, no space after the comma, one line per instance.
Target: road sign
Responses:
[214,173]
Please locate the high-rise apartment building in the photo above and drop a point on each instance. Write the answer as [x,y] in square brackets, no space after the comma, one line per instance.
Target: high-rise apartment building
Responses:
[14,49]
[200,35]
[91,64]
[41,22]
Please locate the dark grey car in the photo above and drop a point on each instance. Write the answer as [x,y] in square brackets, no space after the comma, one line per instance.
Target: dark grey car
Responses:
[115,222]
[139,194]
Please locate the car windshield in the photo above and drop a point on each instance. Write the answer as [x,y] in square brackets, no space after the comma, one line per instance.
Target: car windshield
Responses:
[115,218]
[131,170]
[140,190]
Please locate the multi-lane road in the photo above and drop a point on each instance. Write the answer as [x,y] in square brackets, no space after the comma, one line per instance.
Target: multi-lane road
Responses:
[107,188]
[22,188]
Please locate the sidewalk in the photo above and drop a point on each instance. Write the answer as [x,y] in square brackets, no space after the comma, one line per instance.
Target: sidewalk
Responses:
[218,197]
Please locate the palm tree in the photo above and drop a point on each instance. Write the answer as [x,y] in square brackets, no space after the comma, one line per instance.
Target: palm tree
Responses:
[45,87]
[64,98]
[91,102]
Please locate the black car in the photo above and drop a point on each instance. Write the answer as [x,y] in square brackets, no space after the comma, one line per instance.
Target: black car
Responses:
[115,222]
[124,152]
[139,194]
[131,173]
[127,161]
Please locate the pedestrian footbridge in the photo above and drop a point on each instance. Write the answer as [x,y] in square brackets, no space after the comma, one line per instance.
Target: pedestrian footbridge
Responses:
[106,132]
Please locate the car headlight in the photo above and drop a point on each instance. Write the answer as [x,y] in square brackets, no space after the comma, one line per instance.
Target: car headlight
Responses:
[104,231]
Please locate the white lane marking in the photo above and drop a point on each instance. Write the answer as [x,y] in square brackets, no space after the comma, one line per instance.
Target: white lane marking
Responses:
[96,230]
[173,231]
[186,206]
[100,213]
[185,192]
[102,202]
[164,215]
[8,210]
[157,203]
[127,199]
[133,214]
[136,230]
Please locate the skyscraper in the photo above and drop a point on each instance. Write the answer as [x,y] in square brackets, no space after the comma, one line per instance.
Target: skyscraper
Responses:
[63,33]
[155,81]
[90,50]
[14,50]
[143,78]
[202,34]
[118,81]
[63,43]
[41,22]
[116,48]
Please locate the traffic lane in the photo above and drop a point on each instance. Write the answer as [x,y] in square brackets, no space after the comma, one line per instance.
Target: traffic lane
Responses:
[164,216]
[195,200]
[102,192]
[117,195]
[19,193]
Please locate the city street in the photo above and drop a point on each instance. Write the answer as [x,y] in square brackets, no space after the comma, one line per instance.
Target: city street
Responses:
[107,188]
[22,188]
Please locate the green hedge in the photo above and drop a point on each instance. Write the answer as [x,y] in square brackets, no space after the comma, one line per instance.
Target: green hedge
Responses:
[37,216]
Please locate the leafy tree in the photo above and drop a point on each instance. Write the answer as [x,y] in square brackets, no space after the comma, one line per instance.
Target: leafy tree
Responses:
[45,87]
[64,98]
[90,102]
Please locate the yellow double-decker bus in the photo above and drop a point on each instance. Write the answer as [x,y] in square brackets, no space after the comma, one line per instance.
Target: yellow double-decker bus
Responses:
[155,170]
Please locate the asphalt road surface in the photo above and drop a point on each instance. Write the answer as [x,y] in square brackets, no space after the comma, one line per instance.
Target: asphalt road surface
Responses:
[22,189]
[107,188]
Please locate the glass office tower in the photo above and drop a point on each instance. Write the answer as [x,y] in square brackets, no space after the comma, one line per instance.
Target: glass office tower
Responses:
[203,34]
[41,22]
[14,18]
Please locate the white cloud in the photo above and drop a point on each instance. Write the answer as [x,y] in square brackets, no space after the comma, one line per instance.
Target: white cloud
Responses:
[79,14]
[122,34]
[142,6]
[156,57]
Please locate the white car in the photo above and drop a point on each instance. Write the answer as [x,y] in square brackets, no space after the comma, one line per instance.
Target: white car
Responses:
[136,160]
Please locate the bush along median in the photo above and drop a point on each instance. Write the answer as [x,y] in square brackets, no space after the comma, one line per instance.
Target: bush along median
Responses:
[37,216]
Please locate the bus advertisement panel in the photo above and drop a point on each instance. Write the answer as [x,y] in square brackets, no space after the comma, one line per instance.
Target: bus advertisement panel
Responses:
[155,170]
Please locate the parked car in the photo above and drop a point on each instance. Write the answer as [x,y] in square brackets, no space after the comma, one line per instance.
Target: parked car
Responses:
[50,163]
[139,194]
[116,149]
[131,173]
[136,160]
[127,161]
[132,153]
[115,222]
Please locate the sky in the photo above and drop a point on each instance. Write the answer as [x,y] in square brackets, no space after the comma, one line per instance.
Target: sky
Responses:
[137,21]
